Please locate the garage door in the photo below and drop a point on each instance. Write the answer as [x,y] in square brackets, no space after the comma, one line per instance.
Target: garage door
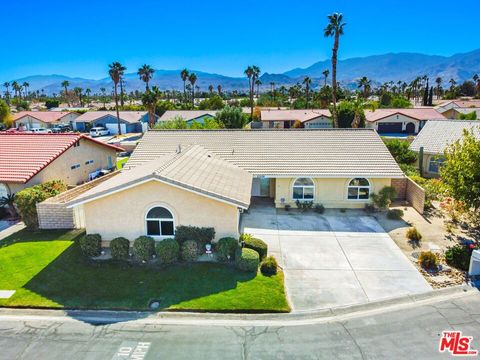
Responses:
[389,127]
[114,128]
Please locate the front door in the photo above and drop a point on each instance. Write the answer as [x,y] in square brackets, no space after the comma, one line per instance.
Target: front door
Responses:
[410,128]
[261,187]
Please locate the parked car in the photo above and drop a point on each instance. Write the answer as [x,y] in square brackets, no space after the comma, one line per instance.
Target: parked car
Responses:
[61,128]
[41,131]
[99,131]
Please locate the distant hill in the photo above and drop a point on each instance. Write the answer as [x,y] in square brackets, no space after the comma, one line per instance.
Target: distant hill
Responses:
[378,68]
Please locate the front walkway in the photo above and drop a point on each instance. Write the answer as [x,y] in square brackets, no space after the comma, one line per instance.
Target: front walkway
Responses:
[335,259]
[8,228]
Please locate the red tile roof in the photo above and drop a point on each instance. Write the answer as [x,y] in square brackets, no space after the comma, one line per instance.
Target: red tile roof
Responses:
[416,113]
[22,156]
[44,116]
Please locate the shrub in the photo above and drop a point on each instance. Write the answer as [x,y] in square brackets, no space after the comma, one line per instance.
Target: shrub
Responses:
[247,260]
[189,251]
[413,234]
[167,251]
[256,244]
[143,248]
[304,205]
[369,208]
[319,208]
[26,200]
[226,248]
[428,260]
[269,266]
[202,235]
[91,245]
[120,248]
[400,151]
[287,207]
[384,198]
[395,214]
[458,256]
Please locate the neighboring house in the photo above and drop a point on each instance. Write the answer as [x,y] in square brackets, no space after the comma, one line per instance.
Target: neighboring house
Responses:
[451,109]
[434,139]
[130,121]
[43,119]
[455,113]
[395,121]
[31,159]
[189,116]
[207,177]
[285,119]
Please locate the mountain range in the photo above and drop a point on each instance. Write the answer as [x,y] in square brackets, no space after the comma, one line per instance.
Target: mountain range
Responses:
[378,68]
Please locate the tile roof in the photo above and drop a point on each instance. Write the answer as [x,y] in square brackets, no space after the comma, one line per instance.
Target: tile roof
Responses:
[127,116]
[436,136]
[334,153]
[193,168]
[44,116]
[416,113]
[23,155]
[186,114]
[300,115]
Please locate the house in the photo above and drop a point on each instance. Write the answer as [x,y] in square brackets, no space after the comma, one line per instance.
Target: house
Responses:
[30,159]
[43,119]
[285,119]
[451,109]
[130,121]
[189,116]
[207,178]
[394,121]
[434,139]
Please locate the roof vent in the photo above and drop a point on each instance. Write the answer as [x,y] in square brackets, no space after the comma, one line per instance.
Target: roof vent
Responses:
[179,149]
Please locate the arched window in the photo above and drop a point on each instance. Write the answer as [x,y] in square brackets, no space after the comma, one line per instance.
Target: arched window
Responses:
[359,189]
[160,222]
[303,189]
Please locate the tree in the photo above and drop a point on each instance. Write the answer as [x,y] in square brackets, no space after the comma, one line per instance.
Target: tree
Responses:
[184,75]
[469,116]
[476,80]
[365,83]
[6,84]
[65,85]
[192,78]
[232,117]
[438,81]
[16,88]
[116,71]
[25,86]
[258,82]
[400,151]
[219,89]
[430,97]
[149,100]
[461,168]
[252,73]
[347,113]
[358,107]
[307,82]
[272,87]
[325,73]
[210,89]
[5,117]
[145,74]
[334,29]
[78,91]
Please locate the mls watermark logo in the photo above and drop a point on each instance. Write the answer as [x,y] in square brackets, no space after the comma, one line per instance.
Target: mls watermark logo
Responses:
[457,344]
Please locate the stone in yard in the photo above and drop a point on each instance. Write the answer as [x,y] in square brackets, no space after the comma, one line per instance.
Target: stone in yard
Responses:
[6,294]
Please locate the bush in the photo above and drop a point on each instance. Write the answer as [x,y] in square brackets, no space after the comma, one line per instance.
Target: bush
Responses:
[247,260]
[395,214]
[428,260]
[202,235]
[413,234]
[256,244]
[226,248]
[319,208]
[167,251]
[269,266]
[143,248]
[384,198]
[458,256]
[26,200]
[369,208]
[91,245]
[304,205]
[189,251]
[120,248]
[400,151]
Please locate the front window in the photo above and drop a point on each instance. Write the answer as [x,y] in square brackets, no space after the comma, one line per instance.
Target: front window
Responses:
[160,222]
[435,164]
[359,189]
[303,189]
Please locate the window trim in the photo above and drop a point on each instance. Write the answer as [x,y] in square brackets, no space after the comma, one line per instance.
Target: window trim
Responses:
[358,188]
[439,161]
[160,237]
[303,187]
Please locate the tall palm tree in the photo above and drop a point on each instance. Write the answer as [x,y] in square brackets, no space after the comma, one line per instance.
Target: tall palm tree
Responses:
[272,87]
[334,29]
[6,84]
[150,99]
[65,84]
[184,75]
[192,78]
[146,74]
[476,80]
[364,83]
[87,94]
[438,81]
[258,82]
[78,91]
[26,85]
[104,96]
[116,71]
[210,89]
[452,84]
[307,82]
[219,89]
[15,88]
[325,73]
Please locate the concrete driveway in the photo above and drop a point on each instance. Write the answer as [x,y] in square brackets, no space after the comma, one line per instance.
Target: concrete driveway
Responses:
[335,259]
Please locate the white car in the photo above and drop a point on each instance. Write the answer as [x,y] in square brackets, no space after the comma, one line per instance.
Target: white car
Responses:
[41,131]
[99,131]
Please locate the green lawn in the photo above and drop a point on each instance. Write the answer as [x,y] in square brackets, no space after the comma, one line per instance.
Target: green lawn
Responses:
[120,162]
[47,270]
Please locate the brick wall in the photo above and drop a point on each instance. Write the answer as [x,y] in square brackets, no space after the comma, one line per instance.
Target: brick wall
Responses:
[55,216]
[409,190]
[401,186]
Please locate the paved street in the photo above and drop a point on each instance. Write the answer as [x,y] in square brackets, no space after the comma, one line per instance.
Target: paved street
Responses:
[403,332]
[333,260]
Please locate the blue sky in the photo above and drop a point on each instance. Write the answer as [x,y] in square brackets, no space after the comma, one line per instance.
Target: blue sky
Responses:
[80,38]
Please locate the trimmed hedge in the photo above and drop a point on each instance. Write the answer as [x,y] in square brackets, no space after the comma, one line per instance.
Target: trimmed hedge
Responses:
[247,260]
[189,251]
[269,266]
[143,248]
[201,235]
[256,244]
[226,248]
[167,251]
[120,248]
[91,245]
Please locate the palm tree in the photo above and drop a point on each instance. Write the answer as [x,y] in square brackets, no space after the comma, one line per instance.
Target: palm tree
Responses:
[192,78]
[272,87]
[65,84]
[253,73]
[358,107]
[307,82]
[15,88]
[78,91]
[219,89]
[104,96]
[258,82]
[476,80]
[116,71]
[184,75]
[325,73]
[365,84]
[146,74]
[210,89]
[149,100]
[438,81]
[452,84]
[26,85]
[87,94]
[334,29]
[6,84]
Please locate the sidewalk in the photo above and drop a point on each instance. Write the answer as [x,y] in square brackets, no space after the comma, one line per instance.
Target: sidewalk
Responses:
[8,228]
